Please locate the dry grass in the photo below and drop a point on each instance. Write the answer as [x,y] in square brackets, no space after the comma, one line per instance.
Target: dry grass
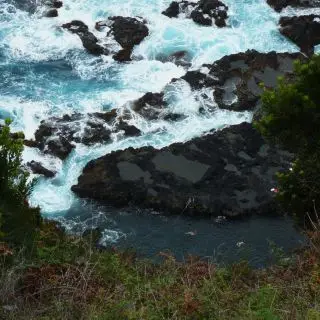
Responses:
[67,279]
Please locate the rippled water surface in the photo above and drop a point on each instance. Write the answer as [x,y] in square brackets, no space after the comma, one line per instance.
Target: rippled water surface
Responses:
[45,71]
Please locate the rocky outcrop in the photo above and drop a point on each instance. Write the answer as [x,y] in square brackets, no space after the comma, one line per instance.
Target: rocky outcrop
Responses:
[127,31]
[152,106]
[25,5]
[204,12]
[278,5]
[52,6]
[229,172]
[89,40]
[56,135]
[32,5]
[38,168]
[302,30]
[180,58]
[236,78]
[51,13]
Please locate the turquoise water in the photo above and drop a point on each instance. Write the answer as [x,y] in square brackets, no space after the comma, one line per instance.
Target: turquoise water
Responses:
[45,71]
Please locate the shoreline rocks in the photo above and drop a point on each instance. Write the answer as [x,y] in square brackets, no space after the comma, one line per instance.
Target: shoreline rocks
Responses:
[38,168]
[278,5]
[56,135]
[89,40]
[236,78]
[204,12]
[228,172]
[304,31]
[127,31]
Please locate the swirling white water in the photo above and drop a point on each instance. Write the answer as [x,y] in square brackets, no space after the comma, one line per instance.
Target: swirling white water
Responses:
[45,71]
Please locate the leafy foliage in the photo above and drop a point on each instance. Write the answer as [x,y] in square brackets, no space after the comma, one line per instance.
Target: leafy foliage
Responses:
[291,118]
[19,221]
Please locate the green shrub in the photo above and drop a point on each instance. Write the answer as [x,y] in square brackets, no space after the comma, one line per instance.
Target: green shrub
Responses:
[291,118]
[19,222]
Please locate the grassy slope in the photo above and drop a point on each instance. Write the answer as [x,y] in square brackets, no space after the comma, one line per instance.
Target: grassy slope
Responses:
[66,279]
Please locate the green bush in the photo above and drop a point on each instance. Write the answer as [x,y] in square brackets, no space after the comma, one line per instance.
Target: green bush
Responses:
[19,222]
[291,118]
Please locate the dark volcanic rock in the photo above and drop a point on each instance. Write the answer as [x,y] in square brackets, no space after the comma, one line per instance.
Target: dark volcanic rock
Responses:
[229,172]
[205,12]
[89,40]
[26,5]
[52,13]
[302,30]
[278,5]
[180,58]
[123,55]
[173,10]
[129,130]
[38,168]
[128,32]
[236,78]
[150,105]
[55,135]
[57,4]
[59,146]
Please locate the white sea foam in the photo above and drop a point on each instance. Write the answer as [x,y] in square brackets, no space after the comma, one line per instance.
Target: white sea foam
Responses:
[99,83]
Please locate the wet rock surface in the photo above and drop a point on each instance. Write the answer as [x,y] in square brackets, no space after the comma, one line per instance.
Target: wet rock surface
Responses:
[38,168]
[89,40]
[304,31]
[236,78]
[180,58]
[56,135]
[32,5]
[204,12]
[127,31]
[52,13]
[229,172]
[278,5]
[152,106]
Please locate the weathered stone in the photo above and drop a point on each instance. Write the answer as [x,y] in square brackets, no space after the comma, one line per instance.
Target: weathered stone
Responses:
[150,105]
[52,13]
[278,5]
[38,168]
[204,12]
[229,172]
[89,40]
[302,30]
[236,78]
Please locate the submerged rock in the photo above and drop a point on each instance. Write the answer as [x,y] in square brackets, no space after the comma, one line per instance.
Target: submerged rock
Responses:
[180,58]
[38,168]
[278,5]
[229,173]
[302,30]
[26,5]
[204,12]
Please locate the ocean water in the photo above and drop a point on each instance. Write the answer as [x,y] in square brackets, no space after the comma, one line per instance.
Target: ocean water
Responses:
[45,71]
